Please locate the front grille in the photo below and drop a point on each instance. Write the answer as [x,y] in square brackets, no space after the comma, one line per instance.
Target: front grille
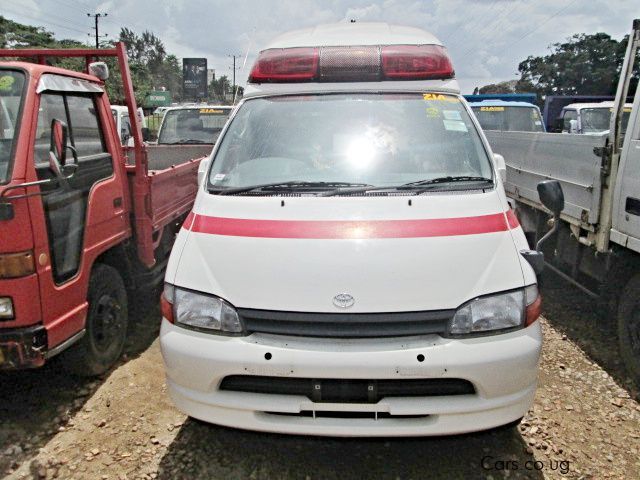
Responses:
[348,325]
[347,390]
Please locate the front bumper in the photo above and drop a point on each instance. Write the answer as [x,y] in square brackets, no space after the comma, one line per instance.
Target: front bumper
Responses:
[23,347]
[502,368]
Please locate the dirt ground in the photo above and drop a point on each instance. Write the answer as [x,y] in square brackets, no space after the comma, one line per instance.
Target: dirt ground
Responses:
[585,422]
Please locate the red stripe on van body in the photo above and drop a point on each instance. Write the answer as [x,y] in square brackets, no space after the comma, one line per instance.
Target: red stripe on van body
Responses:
[347,229]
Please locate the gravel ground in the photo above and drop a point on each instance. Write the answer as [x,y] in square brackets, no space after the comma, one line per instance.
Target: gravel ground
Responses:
[584,423]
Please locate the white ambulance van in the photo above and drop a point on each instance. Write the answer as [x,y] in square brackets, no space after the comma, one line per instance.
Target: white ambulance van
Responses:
[351,266]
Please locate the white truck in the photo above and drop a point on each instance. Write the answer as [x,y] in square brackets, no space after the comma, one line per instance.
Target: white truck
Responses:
[597,241]
[591,118]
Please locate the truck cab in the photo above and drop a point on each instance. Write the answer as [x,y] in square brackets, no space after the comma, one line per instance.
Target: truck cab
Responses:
[199,124]
[123,124]
[508,116]
[81,218]
[591,118]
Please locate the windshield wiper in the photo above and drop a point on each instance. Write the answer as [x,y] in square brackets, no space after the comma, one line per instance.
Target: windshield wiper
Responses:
[419,186]
[292,185]
[187,140]
[440,180]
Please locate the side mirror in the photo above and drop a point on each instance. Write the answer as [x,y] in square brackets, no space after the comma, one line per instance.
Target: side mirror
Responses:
[58,142]
[146,134]
[551,196]
[202,170]
[501,166]
[573,126]
[58,153]
[124,135]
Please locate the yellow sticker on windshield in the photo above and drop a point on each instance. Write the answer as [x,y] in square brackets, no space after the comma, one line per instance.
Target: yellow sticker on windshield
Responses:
[439,97]
[210,110]
[433,112]
[6,82]
[492,109]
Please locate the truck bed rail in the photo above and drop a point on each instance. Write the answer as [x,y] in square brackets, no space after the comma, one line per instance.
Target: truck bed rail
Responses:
[533,157]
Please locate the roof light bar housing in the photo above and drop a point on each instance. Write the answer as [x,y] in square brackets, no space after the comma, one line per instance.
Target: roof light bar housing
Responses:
[366,63]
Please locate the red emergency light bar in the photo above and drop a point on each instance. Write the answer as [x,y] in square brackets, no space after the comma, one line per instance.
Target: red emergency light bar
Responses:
[352,63]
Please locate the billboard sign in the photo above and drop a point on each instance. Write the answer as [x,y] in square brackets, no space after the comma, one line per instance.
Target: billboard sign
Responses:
[194,78]
[158,99]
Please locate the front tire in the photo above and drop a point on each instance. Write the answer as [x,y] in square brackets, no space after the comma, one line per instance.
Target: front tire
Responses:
[629,327]
[106,325]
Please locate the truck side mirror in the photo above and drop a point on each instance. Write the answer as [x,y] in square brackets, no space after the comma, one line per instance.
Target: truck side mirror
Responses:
[573,126]
[58,143]
[58,153]
[501,166]
[146,134]
[551,196]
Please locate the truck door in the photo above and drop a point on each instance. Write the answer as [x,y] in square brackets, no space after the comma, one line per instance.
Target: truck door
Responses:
[68,233]
[627,199]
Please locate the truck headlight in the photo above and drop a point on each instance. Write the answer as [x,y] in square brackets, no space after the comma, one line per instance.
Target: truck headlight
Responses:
[6,308]
[497,313]
[199,310]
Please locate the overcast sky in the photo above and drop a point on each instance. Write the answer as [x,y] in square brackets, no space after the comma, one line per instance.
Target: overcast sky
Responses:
[486,38]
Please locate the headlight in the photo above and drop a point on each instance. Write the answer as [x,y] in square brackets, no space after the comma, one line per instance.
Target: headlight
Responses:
[500,312]
[201,311]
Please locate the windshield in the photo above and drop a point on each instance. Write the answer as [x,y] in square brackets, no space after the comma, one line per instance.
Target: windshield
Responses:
[505,118]
[193,125]
[11,87]
[595,120]
[361,139]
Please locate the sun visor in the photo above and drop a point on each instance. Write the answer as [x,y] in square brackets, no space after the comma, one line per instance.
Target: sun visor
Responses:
[60,83]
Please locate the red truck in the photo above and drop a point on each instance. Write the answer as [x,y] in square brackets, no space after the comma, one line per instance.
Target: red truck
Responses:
[83,220]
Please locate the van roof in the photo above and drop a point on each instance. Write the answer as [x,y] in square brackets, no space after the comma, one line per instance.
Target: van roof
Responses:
[343,34]
[352,34]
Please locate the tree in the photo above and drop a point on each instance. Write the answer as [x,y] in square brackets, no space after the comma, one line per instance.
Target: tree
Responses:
[508,86]
[583,65]
[16,35]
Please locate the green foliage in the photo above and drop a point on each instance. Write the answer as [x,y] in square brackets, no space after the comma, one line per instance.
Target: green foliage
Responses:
[221,90]
[508,86]
[150,65]
[16,35]
[583,65]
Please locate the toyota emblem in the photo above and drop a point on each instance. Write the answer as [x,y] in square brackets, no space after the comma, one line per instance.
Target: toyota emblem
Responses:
[343,300]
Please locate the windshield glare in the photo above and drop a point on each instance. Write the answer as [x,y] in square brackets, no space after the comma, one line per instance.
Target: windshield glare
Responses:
[375,139]
[193,125]
[11,87]
[513,119]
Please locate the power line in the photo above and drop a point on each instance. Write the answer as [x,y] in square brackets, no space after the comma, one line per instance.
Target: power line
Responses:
[47,23]
[549,18]
[96,17]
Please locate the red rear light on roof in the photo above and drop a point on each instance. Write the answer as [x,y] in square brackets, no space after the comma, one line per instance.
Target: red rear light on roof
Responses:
[285,65]
[416,62]
[352,64]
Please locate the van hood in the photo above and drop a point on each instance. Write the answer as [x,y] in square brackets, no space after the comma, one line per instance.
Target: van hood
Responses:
[390,254]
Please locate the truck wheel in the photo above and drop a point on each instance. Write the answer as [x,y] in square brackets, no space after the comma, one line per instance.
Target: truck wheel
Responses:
[106,325]
[629,327]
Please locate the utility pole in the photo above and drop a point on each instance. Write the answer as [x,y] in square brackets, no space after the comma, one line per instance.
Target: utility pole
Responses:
[96,17]
[233,85]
